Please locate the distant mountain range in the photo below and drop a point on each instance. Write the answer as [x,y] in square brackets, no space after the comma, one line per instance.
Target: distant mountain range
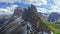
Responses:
[53,17]
[44,16]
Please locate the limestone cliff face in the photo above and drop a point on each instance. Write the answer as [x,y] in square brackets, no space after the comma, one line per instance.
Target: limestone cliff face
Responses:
[25,21]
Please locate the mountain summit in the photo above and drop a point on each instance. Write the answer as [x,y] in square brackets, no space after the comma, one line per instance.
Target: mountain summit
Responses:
[24,21]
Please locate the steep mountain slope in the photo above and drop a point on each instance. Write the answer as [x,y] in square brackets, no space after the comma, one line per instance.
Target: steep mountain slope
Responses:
[54,27]
[25,21]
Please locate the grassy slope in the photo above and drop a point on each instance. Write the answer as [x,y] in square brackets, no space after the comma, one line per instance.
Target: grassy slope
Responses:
[54,27]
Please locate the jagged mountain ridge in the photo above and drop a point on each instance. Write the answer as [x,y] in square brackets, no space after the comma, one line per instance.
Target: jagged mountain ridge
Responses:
[54,17]
[25,21]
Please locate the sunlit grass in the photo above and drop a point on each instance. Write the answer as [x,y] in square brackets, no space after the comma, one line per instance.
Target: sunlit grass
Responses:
[54,27]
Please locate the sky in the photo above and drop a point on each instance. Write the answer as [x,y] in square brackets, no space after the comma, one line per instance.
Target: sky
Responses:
[44,6]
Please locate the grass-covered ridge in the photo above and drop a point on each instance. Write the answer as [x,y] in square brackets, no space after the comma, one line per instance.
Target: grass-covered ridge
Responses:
[51,25]
[54,27]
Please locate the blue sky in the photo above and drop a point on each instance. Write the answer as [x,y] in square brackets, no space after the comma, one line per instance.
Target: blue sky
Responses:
[44,6]
[4,4]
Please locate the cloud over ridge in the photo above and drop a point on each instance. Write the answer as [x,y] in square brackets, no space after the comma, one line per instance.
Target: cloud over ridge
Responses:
[53,5]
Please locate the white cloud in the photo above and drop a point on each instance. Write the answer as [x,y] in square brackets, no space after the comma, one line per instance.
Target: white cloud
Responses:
[11,1]
[57,2]
[4,11]
[43,10]
[8,10]
[35,2]
[12,8]
[55,8]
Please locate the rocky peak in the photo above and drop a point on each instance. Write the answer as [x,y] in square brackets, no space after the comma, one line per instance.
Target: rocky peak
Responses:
[33,8]
[18,22]
[18,12]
